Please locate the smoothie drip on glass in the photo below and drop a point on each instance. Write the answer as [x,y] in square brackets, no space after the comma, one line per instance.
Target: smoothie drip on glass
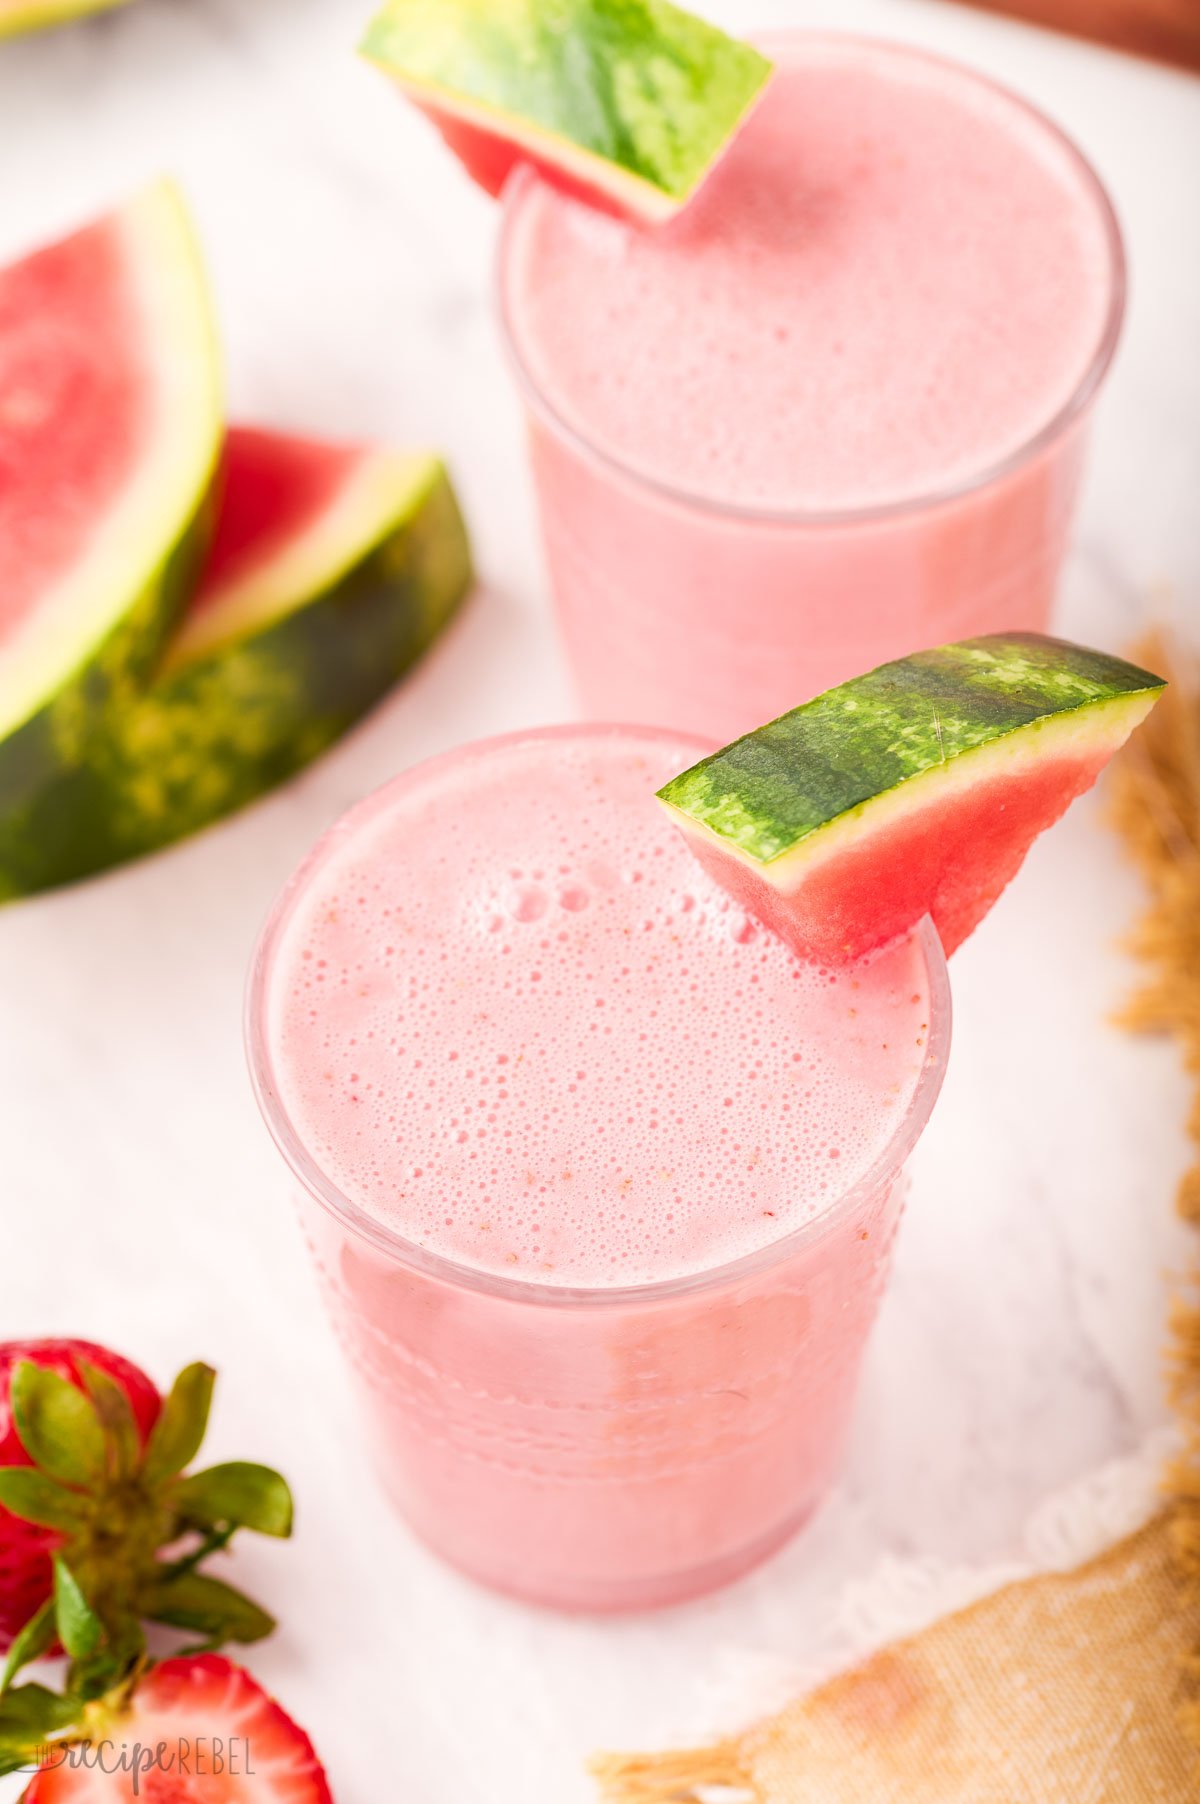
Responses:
[895,277]
[519,1026]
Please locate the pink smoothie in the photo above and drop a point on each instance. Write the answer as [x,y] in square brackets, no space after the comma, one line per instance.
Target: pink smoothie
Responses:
[533,1053]
[775,439]
[893,281]
[520,1027]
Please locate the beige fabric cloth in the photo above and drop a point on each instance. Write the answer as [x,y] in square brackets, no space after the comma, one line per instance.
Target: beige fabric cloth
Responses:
[1061,1689]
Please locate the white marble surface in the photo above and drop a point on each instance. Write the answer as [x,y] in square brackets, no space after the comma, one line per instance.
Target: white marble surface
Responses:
[1020,1344]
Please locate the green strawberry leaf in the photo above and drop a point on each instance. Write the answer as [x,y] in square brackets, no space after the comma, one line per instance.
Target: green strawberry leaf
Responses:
[24,1754]
[116,1418]
[79,1627]
[192,1600]
[247,1495]
[57,1425]
[37,1637]
[118,1654]
[29,1717]
[36,1710]
[176,1436]
[211,1541]
[27,1493]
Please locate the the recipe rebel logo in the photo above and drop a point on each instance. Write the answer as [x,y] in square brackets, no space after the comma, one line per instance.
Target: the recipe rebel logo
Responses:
[194,1757]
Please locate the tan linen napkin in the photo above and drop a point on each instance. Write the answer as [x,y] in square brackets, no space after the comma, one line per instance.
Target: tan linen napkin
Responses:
[1061,1689]
[1066,1688]
[1156,810]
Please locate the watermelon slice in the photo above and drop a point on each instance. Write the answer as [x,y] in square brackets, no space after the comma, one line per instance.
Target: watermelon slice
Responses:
[110,433]
[627,102]
[916,789]
[331,570]
[18,16]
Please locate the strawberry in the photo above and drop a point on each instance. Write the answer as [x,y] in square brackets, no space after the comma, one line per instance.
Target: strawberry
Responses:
[101,1527]
[195,1730]
[26,1573]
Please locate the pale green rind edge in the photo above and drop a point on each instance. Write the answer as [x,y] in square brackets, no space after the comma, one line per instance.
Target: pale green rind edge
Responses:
[113,669]
[404,486]
[44,15]
[826,761]
[659,104]
[227,727]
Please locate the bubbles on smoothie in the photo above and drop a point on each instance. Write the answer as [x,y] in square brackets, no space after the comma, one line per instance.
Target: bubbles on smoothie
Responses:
[894,278]
[529,903]
[519,1025]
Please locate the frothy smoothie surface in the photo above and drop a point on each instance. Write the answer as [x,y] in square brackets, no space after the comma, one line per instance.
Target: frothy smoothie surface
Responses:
[514,1021]
[895,278]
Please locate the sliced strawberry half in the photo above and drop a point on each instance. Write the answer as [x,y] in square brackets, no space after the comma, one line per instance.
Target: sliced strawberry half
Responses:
[194,1730]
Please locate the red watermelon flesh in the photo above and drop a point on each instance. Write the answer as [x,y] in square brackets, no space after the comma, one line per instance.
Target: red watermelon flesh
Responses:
[330,571]
[951,860]
[626,103]
[915,789]
[110,430]
[73,413]
[489,158]
[271,487]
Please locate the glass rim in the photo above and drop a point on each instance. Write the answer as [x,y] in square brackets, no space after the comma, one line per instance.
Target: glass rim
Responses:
[524,180]
[458,1273]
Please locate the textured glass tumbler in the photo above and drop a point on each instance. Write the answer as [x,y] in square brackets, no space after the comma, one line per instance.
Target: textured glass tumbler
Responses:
[601,1449]
[711,617]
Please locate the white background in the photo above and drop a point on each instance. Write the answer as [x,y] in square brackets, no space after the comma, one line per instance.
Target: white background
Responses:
[142,1203]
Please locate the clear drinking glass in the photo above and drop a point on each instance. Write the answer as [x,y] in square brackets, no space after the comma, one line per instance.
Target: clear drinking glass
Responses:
[599,1448]
[712,617]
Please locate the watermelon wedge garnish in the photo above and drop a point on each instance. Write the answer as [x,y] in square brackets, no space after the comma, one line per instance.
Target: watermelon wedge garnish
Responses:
[332,568]
[110,433]
[18,16]
[914,790]
[626,102]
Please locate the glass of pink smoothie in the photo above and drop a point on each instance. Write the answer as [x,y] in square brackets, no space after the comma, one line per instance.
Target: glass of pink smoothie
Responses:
[835,410]
[601,1182]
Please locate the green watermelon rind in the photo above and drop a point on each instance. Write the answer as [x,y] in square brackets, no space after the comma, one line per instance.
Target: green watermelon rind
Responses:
[47,719]
[636,99]
[219,729]
[41,15]
[806,786]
